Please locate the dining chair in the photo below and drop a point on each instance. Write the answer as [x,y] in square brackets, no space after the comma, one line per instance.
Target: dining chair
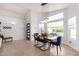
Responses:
[36,38]
[56,43]
[46,44]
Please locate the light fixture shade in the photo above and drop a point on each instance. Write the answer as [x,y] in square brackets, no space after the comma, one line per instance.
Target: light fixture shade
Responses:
[43,4]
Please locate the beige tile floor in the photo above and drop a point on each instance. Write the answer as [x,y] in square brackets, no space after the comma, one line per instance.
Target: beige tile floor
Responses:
[26,48]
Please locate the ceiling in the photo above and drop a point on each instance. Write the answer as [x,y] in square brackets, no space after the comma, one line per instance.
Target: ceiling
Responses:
[22,8]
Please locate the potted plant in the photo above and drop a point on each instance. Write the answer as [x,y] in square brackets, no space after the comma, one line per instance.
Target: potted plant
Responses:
[44,35]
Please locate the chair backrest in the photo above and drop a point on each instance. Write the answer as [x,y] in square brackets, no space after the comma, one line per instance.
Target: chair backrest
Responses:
[36,35]
[59,40]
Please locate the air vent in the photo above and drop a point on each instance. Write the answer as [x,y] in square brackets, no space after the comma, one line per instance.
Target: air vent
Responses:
[43,4]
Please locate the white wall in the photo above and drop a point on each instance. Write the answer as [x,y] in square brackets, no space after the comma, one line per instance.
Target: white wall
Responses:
[73,10]
[34,19]
[45,15]
[34,22]
[18,29]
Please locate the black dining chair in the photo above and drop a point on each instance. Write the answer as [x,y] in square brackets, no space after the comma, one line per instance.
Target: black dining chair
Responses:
[46,44]
[56,43]
[36,38]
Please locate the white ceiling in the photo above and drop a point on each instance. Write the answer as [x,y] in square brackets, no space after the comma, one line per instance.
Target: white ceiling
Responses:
[22,8]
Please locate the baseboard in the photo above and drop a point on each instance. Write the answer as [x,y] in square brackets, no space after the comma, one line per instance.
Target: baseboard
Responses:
[75,48]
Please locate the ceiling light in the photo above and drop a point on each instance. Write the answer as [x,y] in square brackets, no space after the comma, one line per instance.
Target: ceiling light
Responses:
[43,4]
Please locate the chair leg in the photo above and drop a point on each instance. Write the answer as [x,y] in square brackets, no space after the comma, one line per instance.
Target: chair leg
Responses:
[60,48]
[35,41]
[57,50]
[49,45]
[2,40]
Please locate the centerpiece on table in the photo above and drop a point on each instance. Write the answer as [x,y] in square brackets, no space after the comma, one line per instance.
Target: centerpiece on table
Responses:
[44,35]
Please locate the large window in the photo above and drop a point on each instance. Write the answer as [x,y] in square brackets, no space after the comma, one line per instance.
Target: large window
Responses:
[53,18]
[55,27]
[54,24]
[72,28]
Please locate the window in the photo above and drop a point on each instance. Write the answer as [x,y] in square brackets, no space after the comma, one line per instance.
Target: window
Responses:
[54,17]
[72,27]
[73,33]
[56,25]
